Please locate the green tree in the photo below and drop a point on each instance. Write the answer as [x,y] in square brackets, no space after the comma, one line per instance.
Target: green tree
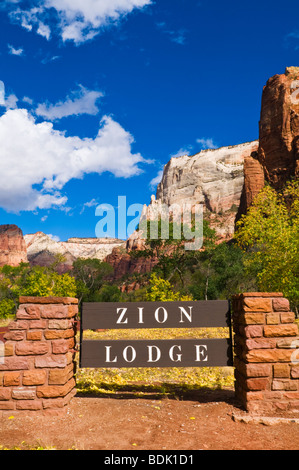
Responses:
[90,275]
[31,281]
[269,235]
[161,290]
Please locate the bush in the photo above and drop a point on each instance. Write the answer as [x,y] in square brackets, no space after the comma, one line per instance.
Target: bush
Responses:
[7,308]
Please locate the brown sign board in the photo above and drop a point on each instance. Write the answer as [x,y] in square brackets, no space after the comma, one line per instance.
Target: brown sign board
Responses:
[131,315]
[156,353]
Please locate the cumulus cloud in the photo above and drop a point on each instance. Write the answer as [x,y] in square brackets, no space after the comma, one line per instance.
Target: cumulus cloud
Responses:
[207,143]
[36,161]
[156,180]
[15,51]
[77,20]
[82,101]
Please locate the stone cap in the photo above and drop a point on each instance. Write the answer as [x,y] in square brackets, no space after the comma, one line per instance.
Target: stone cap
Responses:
[257,294]
[48,300]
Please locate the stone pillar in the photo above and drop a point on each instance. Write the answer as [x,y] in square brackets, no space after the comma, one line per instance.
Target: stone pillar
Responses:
[37,370]
[266,353]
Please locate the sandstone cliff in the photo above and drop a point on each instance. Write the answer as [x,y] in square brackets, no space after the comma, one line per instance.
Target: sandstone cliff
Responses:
[12,246]
[213,178]
[42,250]
[277,159]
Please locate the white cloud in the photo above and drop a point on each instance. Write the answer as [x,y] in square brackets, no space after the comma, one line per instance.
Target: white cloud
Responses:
[78,20]
[156,180]
[93,202]
[177,36]
[182,152]
[11,101]
[2,93]
[55,238]
[13,51]
[79,102]
[36,161]
[207,143]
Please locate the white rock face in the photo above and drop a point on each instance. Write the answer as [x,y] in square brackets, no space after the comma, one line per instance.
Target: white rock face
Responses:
[212,177]
[98,248]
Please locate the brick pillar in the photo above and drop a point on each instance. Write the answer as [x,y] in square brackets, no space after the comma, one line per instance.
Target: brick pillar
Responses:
[266,353]
[37,370]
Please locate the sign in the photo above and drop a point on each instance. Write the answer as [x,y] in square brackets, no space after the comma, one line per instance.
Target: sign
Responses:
[156,353]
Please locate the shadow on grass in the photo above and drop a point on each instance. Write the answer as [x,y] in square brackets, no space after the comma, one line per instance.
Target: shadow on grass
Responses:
[160,391]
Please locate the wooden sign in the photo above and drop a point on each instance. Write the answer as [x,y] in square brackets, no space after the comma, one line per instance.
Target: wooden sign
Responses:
[130,315]
[159,353]
[156,353]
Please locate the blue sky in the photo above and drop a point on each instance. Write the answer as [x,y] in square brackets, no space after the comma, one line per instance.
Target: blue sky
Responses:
[99,94]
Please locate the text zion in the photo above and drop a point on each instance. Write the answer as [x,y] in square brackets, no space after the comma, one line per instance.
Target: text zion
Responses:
[160,315]
[154,354]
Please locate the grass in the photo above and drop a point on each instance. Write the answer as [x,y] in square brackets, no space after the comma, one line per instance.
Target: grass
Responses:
[172,382]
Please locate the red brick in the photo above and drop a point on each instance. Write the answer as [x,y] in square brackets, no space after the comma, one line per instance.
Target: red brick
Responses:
[33,405]
[11,379]
[59,334]
[47,300]
[53,391]
[281,305]
[5,394]
[60,346]
[28,348]
[54,311]
[257,305]
[24,393]
[281,371]
[18,325]
[269,355]
[28,312]
[287,317]
[288,385]
[255,384]
[34,335]
[252,331]
[272,318]
[261,343]
[15,335]
[254,318]
[15,363]
[280,330]
[55,361]
[34,377]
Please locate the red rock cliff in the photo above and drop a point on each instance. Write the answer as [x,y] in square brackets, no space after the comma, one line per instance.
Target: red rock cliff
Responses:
[12,246]
[277,159]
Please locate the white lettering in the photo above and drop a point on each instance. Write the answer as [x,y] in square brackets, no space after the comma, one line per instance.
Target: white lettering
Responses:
[123,311]
[140,310]
[133,354]
[187,315]
[108,359]
[178,356]
[150,353]
[165,315]
[201,353]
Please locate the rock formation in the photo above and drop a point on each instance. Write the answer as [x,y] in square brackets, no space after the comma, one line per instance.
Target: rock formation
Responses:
[42,250]
[277,159]
[12,246]
[213,178]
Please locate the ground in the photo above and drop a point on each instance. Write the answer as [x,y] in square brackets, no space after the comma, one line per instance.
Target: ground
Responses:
[201,421]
